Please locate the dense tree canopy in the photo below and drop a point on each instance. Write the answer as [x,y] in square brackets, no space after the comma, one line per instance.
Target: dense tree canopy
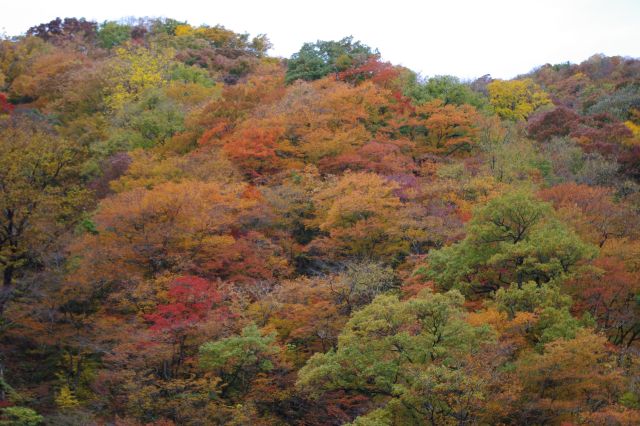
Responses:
[512,239]
[193,232]
[41,194]
[316,60]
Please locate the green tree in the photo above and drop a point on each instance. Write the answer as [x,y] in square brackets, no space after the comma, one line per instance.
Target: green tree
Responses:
[447,88]
[190,74]
[514,238]
[552,318]
[238,359]
[20,416]
[150,121]
[111,34]
[315,60]
[391,349]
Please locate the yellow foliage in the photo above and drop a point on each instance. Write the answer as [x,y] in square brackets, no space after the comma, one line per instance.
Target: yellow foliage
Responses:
[65,398]
[491,316]
[635,130]
[192,94]
[184,30]
[133,71]
[570,374]
[516,99]
[355,197]
[523,320]
[172,224]
[218,35]
[148,169]
[624,249]
[327,117]
[47,77]
[362,216]
[450,127]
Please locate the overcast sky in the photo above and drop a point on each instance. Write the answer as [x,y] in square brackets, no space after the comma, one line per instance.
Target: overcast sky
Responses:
[465,38]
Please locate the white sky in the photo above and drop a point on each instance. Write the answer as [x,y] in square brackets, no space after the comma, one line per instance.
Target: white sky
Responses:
[466,38]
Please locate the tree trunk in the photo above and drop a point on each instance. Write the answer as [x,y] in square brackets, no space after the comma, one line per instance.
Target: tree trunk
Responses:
[7,286]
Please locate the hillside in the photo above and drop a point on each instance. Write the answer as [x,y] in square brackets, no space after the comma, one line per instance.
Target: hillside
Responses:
[193,232]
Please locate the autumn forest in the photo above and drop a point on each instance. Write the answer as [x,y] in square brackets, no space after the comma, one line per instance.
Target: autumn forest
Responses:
[194,232]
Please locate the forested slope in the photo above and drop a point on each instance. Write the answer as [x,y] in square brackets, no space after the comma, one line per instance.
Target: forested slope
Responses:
[193,232]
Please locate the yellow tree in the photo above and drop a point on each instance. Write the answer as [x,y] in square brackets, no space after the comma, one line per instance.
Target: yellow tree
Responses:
[571,379]
[132,71]
[41,195]
[359,214]
[516,99]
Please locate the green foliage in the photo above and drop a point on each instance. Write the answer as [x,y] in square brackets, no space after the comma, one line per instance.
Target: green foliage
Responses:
[392,348]
[20,416]
[166,26]
[554,320]
[87,225]
[260,44]
[530,297]
[556,324]
[447,88]
[239,358]
[316,60]
[186,237]
[631,400]
[9,391]
[190,74]
[514,238]
[515,160]
[149,122]
[112,34]
[378,417]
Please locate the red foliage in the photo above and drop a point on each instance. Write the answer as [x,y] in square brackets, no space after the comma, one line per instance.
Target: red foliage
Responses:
[599,218]
[629,161]
[380,157]
[5,106]
[595,130]
[609,294]
[252,258]
[191,300]
[558,122]
[254,150]
[381,73]
[600,128]
[218,129]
